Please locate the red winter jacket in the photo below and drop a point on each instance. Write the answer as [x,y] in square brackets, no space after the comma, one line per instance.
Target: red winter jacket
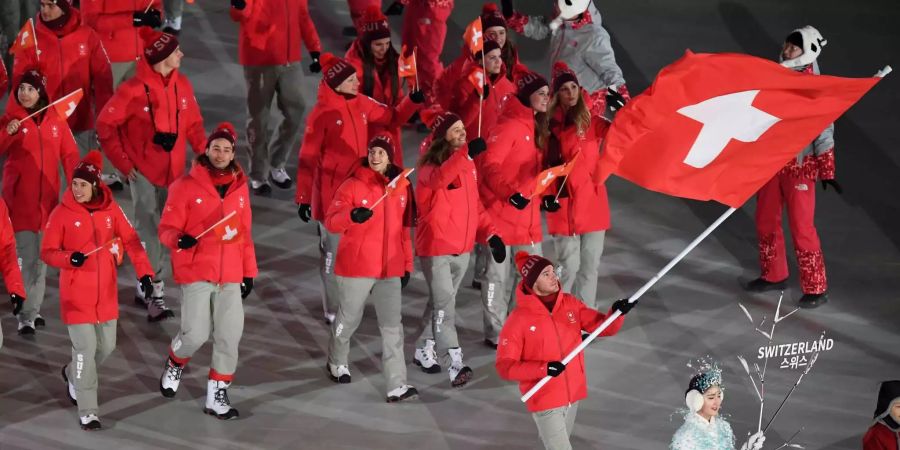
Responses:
[880,437]
[511,164]
[89,294]
[113,20]
[381,246]
[382,91]
[9,261]
[584,207]
[336,137]
[449,210]
[533,337]
[466,102]
[31,171]
[70,59]
[271,31]
[142,105]
[445,85]
[193,205]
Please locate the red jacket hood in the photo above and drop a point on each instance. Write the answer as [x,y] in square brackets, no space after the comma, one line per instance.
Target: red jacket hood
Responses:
[71,25]
[513,109]
[150,77]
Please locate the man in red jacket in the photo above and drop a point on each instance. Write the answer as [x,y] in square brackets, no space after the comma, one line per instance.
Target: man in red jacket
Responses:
[545,326]
[270,53]
[215,269]
[334,141]
[144,130]
[72,57]
[9,264]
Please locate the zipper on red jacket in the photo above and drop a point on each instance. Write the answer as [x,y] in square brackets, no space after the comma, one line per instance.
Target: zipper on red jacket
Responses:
[40,182]
[384,240]
[559,345]
[221,246]
[468,214]
[97,304]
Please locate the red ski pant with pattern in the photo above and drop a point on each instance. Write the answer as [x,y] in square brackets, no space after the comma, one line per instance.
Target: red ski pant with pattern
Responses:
[798,194]
[425,27]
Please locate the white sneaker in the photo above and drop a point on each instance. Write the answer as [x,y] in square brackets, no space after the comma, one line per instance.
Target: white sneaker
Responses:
[260,187]
[460,374]
[89,422]
[217,403]
[405,392]
[26,327]
[171,378]
[280,178]
[426,358]
[69,386]
[339,374]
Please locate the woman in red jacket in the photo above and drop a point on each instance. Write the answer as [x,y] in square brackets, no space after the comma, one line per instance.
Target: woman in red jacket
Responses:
[450,215]
[376,63]
[545,326]
[34,149]
[496,88]
[884,434]
[9,264]
[577,206]
[508,171]
[85,238]
[374,259]
[215,270]
[335,139]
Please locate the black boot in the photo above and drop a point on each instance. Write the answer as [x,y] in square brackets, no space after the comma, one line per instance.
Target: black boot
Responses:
[811,301]
[761,285]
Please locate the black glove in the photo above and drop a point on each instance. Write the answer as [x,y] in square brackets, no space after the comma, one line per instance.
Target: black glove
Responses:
[305,212]
[186,241]
[360,215]
[554,368]
[487,90]
[151,18]
[477,146]
[238,4]
[146,285]
[498,248]
[417,97]
[16,303]
[315,67]
[623,305]
[550,204]
[507,7]
[614,100]
[246,287]
[394,9]
[404,280]
[77,259]
[832,183]
[518,201]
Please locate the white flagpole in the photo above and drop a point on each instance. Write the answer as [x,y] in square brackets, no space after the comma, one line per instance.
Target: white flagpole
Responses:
[394,182]
[228,216]
[609,320]
[55,102]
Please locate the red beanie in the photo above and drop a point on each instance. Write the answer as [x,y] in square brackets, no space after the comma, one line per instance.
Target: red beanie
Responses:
[157,46]
[491,16]
[335,70]
[37,80]
[527,83]
[560,75]
[374,25]
[530,267]
[384,141]
[224,130]
[438,120]
[89,168]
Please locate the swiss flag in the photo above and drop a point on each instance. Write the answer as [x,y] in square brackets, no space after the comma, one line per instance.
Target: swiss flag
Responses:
[399,183]
[546,177]
[117,250]
[406,65]
[228,230]
[718,126]
[27,38]
[476,77]
[474,37]
[66,105]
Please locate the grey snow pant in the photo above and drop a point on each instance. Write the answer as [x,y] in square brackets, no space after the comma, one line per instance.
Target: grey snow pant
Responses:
[443,274]
[91,344]
[579,257]
[493,291]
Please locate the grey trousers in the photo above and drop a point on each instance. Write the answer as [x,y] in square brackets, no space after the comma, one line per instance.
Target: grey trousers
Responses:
[263,83]
[443,274]
[122,71]
[328,245]
[34,272]
[385,294]
[482,253]
[579,257]
[148,202]
[211,308]
[555,426]
[91,344]
[493,291]
[173,10]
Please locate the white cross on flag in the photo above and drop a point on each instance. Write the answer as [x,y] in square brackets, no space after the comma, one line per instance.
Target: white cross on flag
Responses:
[718,126]
[474,37]
[228,230]
[65,106]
